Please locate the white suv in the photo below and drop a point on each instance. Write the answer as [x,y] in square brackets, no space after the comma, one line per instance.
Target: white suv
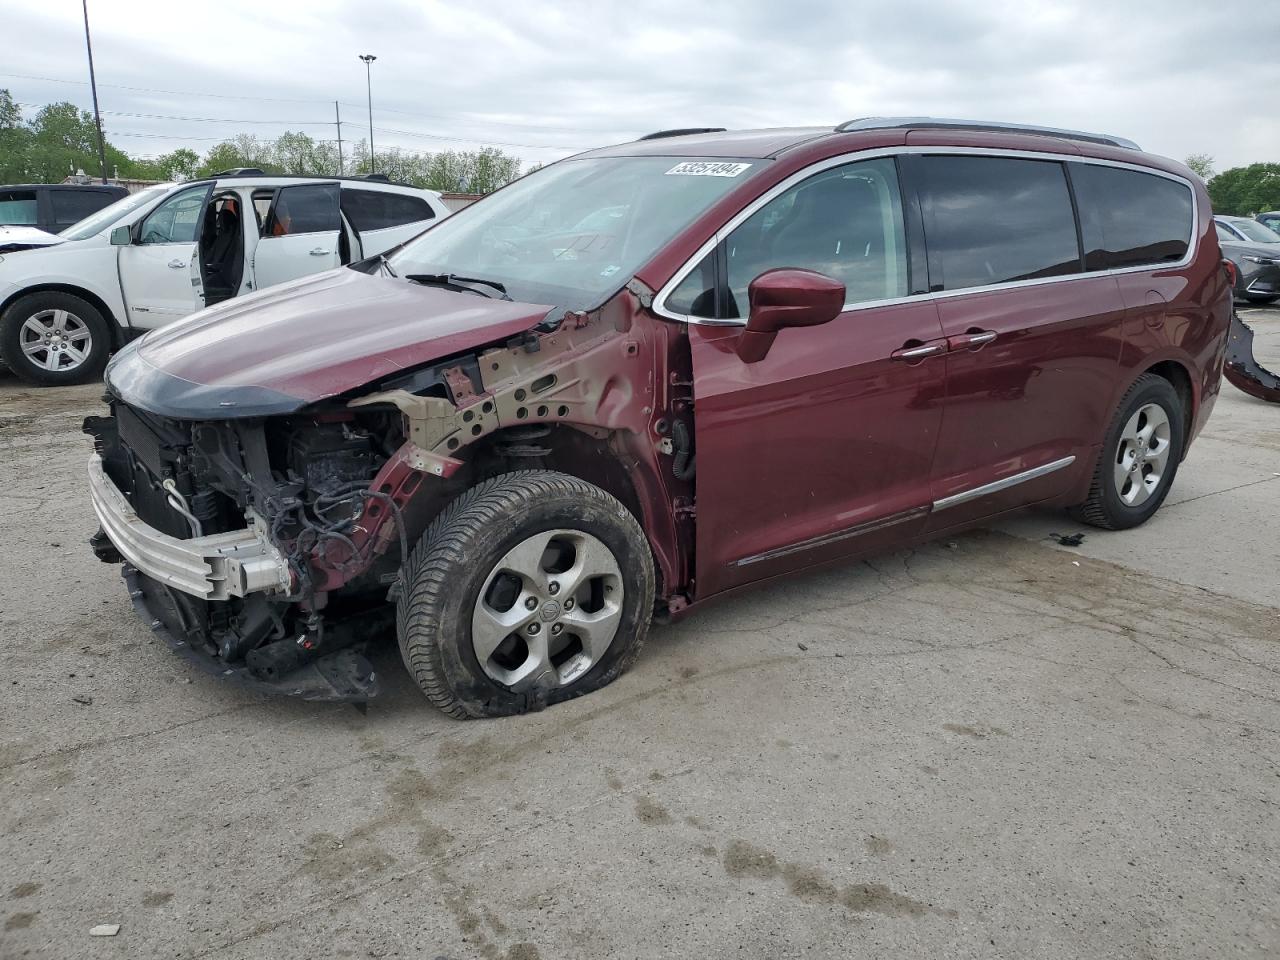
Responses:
[169,250]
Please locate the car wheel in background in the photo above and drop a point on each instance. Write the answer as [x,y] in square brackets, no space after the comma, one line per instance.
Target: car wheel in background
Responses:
[51,338]
[1139,458]
[1261,299]
[531,588]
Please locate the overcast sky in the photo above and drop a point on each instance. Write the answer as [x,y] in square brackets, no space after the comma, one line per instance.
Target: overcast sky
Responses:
[542,80]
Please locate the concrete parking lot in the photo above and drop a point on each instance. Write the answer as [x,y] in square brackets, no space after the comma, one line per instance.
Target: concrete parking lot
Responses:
[994,746]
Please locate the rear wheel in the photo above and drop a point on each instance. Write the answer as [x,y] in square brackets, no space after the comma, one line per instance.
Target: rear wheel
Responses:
[531,588]
[1139,458]
[51,338]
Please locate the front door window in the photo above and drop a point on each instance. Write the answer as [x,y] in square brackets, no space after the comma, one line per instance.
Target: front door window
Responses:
[177,219]
[845,223]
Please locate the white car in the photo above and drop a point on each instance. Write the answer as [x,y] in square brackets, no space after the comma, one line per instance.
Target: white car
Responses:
[169,250]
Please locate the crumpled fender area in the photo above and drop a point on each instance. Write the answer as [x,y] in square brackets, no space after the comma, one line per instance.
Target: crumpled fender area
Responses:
[1242,368]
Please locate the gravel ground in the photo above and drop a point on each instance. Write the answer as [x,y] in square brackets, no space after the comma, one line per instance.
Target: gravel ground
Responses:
[991,747]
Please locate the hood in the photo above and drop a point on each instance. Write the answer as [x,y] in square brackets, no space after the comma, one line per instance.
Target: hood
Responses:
[278,350]
[13,238]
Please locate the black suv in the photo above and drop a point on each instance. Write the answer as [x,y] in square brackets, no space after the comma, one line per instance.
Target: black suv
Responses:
[54,206]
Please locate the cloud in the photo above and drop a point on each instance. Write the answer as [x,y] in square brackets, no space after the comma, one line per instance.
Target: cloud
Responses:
[545,80]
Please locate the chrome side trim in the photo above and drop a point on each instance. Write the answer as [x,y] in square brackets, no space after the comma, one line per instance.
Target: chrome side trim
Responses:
[213,567]
[821,541]
[1034,473]
[660,298]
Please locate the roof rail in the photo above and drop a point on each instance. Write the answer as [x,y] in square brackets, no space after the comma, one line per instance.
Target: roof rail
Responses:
[239,172]
[895,123]
[377,177]
[680,132]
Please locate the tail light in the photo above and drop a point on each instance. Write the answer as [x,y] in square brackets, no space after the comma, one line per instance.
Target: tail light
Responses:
[1233,274]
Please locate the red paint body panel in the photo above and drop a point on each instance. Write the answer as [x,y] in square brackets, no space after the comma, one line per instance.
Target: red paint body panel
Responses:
[824,434]
[330,333]
[1034,395]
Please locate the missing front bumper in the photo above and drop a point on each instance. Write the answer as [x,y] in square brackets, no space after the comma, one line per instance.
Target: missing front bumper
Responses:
[214,567]
[344,675]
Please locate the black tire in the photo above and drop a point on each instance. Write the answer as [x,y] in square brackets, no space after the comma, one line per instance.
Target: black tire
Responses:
[24,308]
[1261,299]
[1104,508]
[461,548]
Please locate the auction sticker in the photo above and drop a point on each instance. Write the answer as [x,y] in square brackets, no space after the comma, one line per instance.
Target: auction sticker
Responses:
[707,168]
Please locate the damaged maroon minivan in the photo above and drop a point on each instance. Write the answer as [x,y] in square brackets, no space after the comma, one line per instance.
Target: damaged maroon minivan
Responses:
[649,375]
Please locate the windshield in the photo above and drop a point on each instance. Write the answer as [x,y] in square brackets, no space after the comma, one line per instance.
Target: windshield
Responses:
[96,222]
[573,233]
[1256,231]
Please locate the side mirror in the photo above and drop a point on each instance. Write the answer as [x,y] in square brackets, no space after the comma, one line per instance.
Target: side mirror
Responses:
[120,237]
[786,298]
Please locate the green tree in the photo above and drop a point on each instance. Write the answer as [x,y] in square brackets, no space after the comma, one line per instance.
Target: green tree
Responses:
[15,141]
[299,154]
[243,150]
[64,141]
[1245,191]
[1201,165]
[181,164]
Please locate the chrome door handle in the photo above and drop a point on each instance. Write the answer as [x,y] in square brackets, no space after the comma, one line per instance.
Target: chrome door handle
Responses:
[177,264]
[320,252]
[971,340]
[918,353]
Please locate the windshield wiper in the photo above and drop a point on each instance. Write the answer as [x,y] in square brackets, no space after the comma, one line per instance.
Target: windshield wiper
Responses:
[456,282]
[386,265]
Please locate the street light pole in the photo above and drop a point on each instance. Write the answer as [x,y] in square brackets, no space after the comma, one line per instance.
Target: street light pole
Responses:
[368,59]
[93,85]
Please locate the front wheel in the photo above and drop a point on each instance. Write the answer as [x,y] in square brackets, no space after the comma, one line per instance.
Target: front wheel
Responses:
[51,339]
[529,589]
[1139,457]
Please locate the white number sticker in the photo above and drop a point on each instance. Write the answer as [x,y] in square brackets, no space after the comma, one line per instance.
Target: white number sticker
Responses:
[707,168]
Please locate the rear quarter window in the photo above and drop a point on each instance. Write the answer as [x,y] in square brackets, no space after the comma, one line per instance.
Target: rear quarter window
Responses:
[378,210]
[995,220]
[1129,218]
[18,207]
[72,206]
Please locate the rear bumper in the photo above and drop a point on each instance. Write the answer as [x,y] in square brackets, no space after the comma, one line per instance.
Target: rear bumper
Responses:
[215,567]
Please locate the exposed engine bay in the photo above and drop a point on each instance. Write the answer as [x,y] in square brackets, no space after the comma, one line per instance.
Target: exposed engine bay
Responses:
[338,493]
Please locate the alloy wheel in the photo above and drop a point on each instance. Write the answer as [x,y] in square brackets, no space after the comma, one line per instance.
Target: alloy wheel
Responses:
[548,610]
[1142,455]
[56,340]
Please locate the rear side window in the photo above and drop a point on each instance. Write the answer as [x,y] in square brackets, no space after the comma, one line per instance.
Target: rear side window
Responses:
[18,207]
[72,206]
[1130,219]
[377,210]
[307,208]
[996,220]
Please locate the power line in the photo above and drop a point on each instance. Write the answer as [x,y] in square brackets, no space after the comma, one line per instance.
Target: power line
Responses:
[487,143]
[176,93]
[455,118]
[465,119]
[165,116]
[179,139]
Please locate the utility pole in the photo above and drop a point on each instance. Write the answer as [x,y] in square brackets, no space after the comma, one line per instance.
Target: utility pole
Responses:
[93,85]
[368,59]
[337,119]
